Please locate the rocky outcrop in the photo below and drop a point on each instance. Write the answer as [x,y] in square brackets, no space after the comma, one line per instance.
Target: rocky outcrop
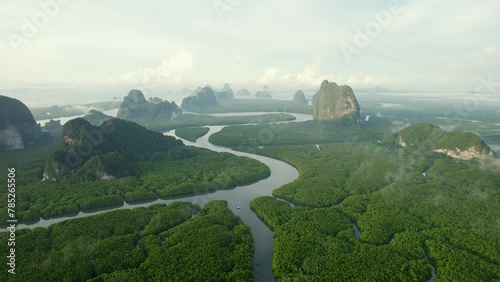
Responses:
[300,98]
[95,117]
[90,152]
[401,142]
[263,94]
[468,154]
[424,137]
[52,125]
[336,102]
[315,98]
[11,139]
[155,100]
[18,128]
[204,98]
[198,90]
[243,92]
[135,107]
[226,94]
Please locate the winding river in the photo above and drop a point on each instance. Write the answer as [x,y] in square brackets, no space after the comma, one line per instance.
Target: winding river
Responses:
[238,200]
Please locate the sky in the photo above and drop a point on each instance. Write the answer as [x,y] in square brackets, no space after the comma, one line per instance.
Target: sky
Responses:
[287,44]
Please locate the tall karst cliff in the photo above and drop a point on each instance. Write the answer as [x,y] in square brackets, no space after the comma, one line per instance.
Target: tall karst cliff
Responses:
[336,102]
[18,128]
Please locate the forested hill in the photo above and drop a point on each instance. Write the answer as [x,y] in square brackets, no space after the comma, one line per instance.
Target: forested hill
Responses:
[105,149]
[457,144]
[18,128]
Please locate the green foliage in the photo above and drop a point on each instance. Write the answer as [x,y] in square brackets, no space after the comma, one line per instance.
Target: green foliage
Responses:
[190,120]
[213,246]
[253,105]
[97,151]
[192,134]
[426,136]
[193,175]
[133,139]
[143,244]
[29,163]
[271,211]
[337,171]
[309,132]
[455,264]
[447,217]
[111,164]
[319,245]
[176,172]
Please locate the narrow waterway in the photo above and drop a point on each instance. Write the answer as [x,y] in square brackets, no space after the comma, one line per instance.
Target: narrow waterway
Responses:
[238,200]
[357,233]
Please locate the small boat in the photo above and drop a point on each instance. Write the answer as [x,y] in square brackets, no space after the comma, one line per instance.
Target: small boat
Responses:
[238,207]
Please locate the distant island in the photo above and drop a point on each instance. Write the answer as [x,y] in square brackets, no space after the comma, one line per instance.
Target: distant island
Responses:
[300,98]
[135,107]
[96,118]
[205,97]
[457,144]
[226,94]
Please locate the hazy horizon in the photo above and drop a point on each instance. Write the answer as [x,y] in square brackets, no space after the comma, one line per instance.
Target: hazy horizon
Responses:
[113,46]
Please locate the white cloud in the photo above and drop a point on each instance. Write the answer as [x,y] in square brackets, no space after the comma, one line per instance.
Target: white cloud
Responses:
[307,77]
[491,51]
[269,76]
[287,78]
[171,71]
[431,45]
[364,79]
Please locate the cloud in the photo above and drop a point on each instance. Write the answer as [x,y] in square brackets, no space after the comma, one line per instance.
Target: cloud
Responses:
[392,106]
[429,46]
[398,125]
[307,77]
[171,71]
[491,51]
[287,78]
[366,79]
[80,108]
[492,165]
[269,76]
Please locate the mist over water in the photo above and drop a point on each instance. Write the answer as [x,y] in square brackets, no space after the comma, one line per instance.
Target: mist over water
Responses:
[44,97]
[496,148]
